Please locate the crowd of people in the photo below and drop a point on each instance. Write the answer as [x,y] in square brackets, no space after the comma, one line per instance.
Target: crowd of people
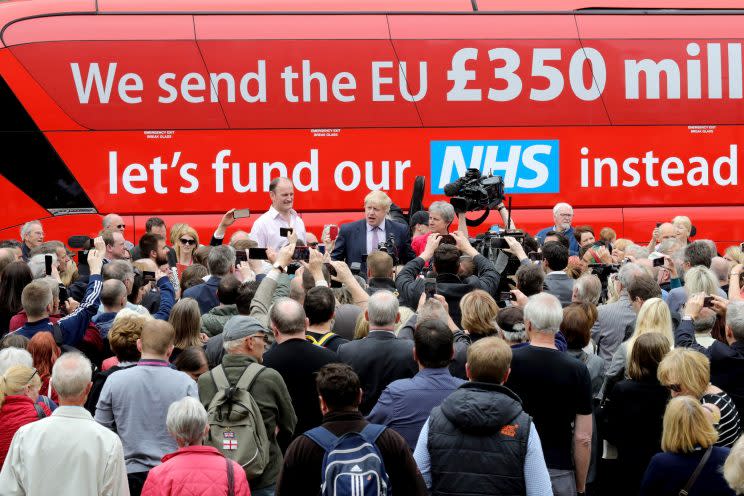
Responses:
[375,357]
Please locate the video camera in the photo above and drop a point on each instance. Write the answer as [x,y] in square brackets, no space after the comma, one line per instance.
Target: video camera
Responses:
[389,247]
[474,192]
[603,272]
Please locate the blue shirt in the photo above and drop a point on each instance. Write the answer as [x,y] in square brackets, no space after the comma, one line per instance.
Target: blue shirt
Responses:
[536,476]
[406,403]
[573,245]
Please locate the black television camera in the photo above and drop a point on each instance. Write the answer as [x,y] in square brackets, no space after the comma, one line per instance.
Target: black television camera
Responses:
[474,192]
[603,272]
[389,247]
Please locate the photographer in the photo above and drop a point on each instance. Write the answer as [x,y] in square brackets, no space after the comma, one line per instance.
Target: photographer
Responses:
[446,262]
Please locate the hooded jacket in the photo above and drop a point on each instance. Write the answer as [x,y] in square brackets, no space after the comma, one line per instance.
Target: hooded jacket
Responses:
[478,442]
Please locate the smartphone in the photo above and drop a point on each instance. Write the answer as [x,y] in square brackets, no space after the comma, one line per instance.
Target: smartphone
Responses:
[332,231]
[708,302]
[301,253]
[48,264]
[430,287]
[148,276]
[240,256]
[535,256]
[321,249]
[356,268]
[499,243]
[658,262]
[292,268]
[507,296]
[447,239]
[284,231]
[242,213]
[82,257]
[257,254]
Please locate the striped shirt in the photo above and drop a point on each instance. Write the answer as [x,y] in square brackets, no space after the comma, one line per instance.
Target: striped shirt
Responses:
[729,427]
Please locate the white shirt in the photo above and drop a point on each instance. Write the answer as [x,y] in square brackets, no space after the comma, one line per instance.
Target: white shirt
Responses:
[266,228]
[381,236]
[67,454]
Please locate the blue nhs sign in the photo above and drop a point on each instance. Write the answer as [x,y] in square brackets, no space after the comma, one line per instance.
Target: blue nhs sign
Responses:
[527,166]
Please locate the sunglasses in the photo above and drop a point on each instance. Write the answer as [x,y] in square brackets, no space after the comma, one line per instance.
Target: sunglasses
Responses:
[121,226]
[674,387]
[312,245]
[185,241]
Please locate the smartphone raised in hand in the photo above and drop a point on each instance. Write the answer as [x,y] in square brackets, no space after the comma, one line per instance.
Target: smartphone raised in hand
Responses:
[284,231]
[430,287]
[242,213]
[257,254]
[48,264]
[301,253]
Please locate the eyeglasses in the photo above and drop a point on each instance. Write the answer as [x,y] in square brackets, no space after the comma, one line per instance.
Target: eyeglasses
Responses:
[264,338]
[674,387]
[185,241]
[120,226]
[36,372]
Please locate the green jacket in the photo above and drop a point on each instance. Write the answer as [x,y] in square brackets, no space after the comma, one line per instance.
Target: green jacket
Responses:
[213,321]
[272,397]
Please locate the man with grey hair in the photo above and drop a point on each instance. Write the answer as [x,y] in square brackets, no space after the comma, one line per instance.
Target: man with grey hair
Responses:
[32,235]
[37,264]
[94,462]
[221,262]
[362,237]
[380,358]
[297,360]
[244,341]
[562,217]
[556,390]
[726,360]
[609,329]
[587,289]
[697,253]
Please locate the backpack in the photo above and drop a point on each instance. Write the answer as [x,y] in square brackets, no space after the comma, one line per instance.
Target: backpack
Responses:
[236,427]
[352,464]
[323,341]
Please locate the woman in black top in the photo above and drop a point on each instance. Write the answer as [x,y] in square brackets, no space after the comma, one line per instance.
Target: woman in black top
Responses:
[687,372]
[634,411]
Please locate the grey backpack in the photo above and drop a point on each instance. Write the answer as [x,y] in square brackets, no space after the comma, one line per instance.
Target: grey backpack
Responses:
[236,426]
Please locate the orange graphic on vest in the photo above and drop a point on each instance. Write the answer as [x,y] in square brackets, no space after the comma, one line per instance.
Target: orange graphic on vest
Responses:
[510,430]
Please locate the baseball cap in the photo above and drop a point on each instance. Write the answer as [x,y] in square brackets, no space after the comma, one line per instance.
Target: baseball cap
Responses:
[510,319]
[420,217]
[241,326]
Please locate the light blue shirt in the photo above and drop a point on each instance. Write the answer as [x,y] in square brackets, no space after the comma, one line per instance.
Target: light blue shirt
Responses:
[536,476]
[380,236]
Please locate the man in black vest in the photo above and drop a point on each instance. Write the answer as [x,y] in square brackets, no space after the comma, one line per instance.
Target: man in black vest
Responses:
[480,441]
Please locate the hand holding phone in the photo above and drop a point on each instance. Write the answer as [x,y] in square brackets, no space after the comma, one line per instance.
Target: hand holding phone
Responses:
[301,253]
[284,231]
[48,264]
[430,287]
[242,213]
[257,254]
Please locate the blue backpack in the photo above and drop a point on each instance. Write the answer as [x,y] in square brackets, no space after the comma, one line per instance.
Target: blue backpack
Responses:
[352,465]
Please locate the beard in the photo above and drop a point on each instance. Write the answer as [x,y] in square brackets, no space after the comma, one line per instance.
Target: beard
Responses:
[161,260]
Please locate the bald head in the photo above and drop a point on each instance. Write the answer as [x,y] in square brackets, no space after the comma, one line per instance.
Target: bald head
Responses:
[114,222]
[720,267]
[666,231]
[288,317]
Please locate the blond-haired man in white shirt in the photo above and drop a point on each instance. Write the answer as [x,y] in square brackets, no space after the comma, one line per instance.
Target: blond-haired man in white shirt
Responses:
[68,453]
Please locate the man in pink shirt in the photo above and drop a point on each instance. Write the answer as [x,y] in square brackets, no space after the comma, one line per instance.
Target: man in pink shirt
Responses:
[265,230]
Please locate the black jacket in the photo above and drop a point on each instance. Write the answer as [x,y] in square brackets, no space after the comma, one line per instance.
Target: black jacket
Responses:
[298,360]
[351,244]
[726,361]
[478,442]
[378,359]
[452,287]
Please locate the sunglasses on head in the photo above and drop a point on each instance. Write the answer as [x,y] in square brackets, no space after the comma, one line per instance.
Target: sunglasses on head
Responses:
[185,241]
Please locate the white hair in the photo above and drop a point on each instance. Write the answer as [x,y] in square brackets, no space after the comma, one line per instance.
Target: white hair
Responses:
[187,420]
[588,288]
[444,209]
[71,374]
[382,308]
[559,206]
[628,272]
[26,228]
[700,279]
[544,312]
[735,318]
[10,357]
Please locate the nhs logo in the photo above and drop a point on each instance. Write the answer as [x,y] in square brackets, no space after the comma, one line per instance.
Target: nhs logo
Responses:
[527,166]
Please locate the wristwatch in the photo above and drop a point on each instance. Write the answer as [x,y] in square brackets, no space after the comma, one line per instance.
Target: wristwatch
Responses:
[278,266]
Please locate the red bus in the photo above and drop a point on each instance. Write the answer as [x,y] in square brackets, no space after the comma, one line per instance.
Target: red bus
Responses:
[630,111]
